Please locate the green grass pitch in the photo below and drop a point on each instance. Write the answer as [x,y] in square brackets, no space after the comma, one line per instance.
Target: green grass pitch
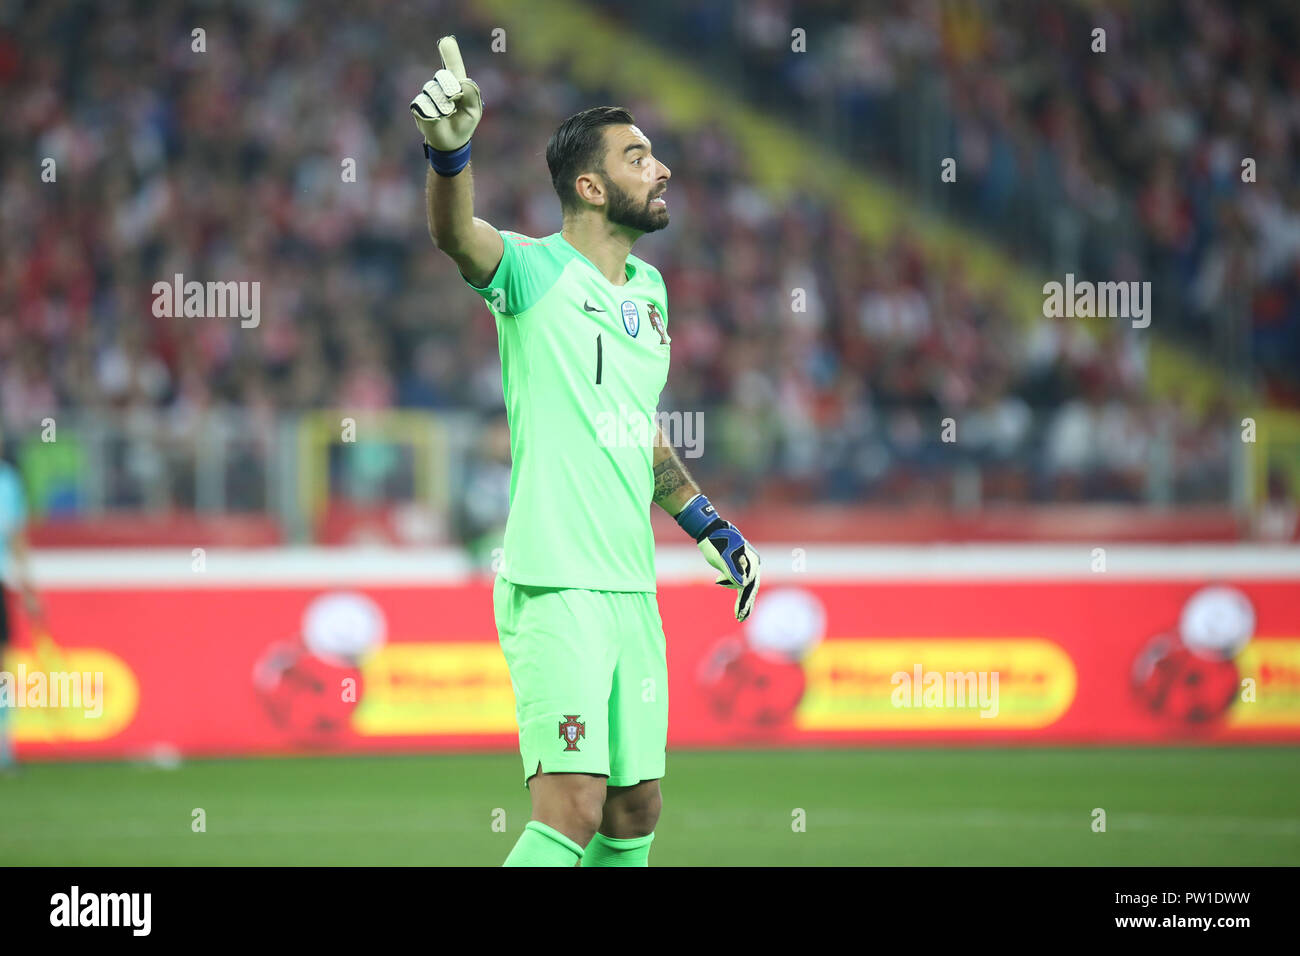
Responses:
[874,807]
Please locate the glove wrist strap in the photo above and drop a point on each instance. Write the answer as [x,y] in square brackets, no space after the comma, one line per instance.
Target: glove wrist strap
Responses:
[698,518]
[447,162]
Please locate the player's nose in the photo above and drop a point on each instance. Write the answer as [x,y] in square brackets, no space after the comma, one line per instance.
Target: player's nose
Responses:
[665,173]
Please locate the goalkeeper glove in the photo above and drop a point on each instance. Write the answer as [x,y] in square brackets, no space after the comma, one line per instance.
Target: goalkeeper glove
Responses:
[447,111]
[726,549]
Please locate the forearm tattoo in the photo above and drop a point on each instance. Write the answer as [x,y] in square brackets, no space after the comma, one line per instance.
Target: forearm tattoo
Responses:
[671,479]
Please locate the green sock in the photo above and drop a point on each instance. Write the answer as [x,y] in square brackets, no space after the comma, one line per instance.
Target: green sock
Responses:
[610,851]
[540,845]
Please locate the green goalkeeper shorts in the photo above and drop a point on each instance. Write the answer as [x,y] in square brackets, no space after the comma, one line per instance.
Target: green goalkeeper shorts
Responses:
[590,675]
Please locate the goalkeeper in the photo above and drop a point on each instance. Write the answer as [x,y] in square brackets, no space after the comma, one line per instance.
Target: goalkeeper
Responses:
[582,326]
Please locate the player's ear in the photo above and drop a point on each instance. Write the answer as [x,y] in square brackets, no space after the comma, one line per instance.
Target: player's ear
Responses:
[590,189]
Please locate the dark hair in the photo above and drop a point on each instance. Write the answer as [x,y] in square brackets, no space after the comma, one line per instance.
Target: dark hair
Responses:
[578,147]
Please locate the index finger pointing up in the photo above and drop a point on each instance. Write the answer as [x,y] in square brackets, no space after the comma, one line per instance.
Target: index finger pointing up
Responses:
[449,49]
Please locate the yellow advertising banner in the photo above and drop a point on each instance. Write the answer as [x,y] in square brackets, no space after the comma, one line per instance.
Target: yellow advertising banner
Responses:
[443,688]
[919,684]
[73,694]
[1270,685]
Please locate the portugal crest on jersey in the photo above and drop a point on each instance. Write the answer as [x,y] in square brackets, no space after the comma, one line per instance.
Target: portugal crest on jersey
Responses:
[657,323]
[570,730]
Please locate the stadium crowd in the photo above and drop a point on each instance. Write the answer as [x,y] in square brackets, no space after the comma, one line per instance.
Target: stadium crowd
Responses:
[233,164]
[1121,163]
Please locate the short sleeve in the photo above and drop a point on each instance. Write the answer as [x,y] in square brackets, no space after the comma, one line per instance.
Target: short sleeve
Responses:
[507,292]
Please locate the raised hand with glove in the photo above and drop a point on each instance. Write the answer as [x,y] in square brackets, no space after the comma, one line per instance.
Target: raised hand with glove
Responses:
[447,111]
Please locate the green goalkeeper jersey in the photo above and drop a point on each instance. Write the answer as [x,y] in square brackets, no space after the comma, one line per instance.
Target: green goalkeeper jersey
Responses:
[582,364]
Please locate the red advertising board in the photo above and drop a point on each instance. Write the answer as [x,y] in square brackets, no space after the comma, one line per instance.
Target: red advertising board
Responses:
[280,668]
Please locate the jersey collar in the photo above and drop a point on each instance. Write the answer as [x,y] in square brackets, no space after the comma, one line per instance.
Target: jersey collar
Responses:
[630,270]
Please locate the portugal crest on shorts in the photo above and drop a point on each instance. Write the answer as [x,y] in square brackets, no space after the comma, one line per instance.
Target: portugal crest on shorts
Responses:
[570,730]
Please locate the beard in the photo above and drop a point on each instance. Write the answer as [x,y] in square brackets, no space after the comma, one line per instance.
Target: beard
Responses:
[627,210]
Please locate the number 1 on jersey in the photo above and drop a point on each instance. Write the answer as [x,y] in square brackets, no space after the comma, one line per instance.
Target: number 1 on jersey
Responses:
[599,358]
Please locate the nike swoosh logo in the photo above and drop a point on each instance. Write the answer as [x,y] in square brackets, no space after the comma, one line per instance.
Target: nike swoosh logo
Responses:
[586,304]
